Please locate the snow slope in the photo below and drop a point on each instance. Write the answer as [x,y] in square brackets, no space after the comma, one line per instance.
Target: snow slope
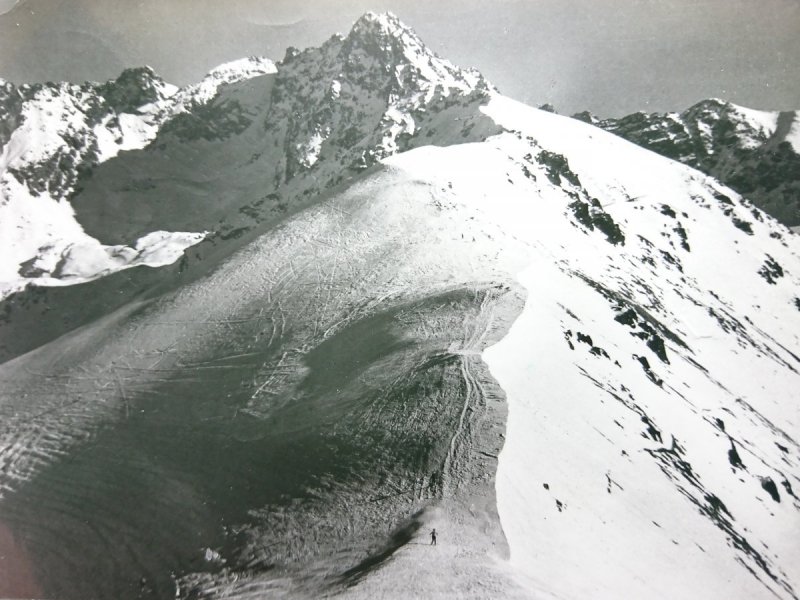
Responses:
[794,133]
[629,480]
[754,152]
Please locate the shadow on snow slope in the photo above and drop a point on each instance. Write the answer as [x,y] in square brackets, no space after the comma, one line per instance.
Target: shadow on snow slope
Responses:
[290,410]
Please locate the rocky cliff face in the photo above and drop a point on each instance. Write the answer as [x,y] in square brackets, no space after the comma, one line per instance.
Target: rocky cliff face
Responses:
[363,97]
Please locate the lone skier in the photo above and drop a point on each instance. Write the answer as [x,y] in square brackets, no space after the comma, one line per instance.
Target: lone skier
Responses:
[433,537]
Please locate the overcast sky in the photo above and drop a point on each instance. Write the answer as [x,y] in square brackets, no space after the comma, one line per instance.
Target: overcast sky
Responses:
[609,56]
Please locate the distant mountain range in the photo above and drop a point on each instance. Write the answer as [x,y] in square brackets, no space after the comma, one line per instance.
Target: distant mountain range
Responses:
[53,136]
[260,335]
[756,153]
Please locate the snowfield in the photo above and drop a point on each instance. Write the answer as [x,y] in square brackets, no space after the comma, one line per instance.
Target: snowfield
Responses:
[605,471]
[574,358]
[621,475]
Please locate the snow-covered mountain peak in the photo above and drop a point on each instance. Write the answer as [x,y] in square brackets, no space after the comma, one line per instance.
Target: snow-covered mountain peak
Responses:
[135,88]
[334,109]
[385,38]
[368,95]
[225,74]
[241,69]
[752,127]
[386,20]
[385,31]
[712,102]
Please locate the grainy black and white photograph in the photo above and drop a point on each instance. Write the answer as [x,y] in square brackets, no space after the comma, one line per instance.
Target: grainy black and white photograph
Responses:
[370,299]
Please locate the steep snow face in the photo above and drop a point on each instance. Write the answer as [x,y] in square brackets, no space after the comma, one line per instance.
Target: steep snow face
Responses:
[755,152]
[653,392]
[52,134]
[794,132]
[753,127]
[62,128]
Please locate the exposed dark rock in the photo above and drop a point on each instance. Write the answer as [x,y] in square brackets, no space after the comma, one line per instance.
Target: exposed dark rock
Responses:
[771,271]
[683,237]
[652,430]
[593,216]
[213,121]
[770,487]
[132,89]
[557,168]
[648,371]
[667,210]
[734,458]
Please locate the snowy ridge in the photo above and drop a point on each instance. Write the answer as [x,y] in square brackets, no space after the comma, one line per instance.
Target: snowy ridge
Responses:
[678,420]
[225,74]
[755,152]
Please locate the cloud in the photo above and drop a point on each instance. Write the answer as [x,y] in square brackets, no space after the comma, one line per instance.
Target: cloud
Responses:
[275,23]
